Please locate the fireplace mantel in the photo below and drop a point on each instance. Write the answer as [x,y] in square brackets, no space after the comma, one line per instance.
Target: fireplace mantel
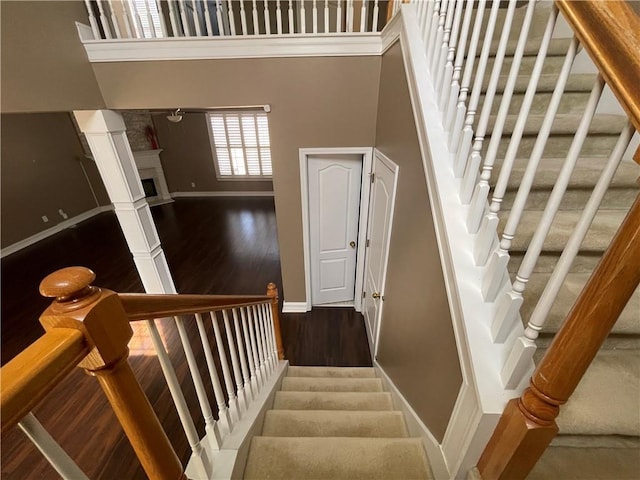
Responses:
[150,167]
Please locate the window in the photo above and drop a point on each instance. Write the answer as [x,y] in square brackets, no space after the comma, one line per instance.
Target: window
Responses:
[241,143]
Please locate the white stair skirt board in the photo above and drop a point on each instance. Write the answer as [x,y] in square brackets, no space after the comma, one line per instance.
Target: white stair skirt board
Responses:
[69,222]
[295,307]
[230,460]
[222,194]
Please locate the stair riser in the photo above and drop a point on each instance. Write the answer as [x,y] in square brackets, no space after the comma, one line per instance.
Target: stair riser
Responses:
[619,199]
[571,103]
[332,401]
[557,146]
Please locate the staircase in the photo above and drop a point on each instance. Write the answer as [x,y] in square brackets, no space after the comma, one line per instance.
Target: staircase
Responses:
[600,425]
[334,423]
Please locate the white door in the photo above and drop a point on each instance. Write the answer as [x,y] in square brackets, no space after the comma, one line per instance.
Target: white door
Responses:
[383,191]
[334,206]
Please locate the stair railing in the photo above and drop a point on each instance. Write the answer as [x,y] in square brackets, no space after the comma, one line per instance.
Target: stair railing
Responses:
[132,19]
[91,328]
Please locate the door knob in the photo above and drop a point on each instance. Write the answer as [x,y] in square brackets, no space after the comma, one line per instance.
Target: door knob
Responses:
[352,244]
[375,295]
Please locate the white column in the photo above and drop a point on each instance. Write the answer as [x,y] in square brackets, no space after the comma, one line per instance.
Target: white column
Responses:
[107,138]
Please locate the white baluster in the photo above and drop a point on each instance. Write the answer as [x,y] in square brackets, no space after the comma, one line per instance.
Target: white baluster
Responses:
[254,13]
[259,336]
[50,449]
[184,19]
[279,17]
[267,20]
[175,30]
[376,13]
[179,401]
[207,20]
[426,22]
[104,21]
[232,18]
[152,27]
[303,18]
[243,357]
[349,16]
[487,234]
[508,305]
[326,16]
[163,24]
[433,28]
[464,146]
[314,9]
[499,259]
[223,411]
[481,193]
[265,344]
[449,99]
[196,18]
[522,352]
[210,424]
[444,71]
[254,347]
[114,20]
[250,353]
[471,175]
[291,22]
[435,47]
[226,373]
[339,17]
[243,19]
[219,18]
[136,20]
[457,120]
[363,17]
[242,397]
[267,337]
[271,334]
[92,20]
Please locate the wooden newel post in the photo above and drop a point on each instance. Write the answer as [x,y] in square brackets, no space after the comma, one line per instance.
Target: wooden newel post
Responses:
[527,425]
[101,318]
[272,291]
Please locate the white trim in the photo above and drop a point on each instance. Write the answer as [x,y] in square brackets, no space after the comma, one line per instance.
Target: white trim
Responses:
[13,248]
[211,48]
[390,33]
[221,193]
[367,159]
[295,307]
[482,397]
[415,426]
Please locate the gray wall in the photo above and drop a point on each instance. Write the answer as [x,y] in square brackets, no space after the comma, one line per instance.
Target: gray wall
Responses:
[187,157]
[316,102]
[44,66]
[42,173]
[417,345]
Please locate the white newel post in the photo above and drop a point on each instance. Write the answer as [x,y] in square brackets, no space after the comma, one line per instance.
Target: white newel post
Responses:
[107,138]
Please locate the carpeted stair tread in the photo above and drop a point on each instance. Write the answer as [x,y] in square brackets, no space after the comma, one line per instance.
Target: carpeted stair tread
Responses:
[604,225]
[568,463]
[333,401]
[333,423]
[627,324]
[320,384]
[564,124]
[345,372]
[607,399]
[558,145]
[336,458]
[570,103]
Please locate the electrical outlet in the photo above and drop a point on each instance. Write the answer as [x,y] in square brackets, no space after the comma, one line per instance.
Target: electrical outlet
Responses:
[45,219]
[62,214]
[193,184]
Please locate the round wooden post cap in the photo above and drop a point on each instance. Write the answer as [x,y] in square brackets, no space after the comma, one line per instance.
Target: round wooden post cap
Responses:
[65,282]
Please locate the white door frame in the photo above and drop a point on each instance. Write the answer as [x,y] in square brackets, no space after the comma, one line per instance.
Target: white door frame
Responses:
[367,156]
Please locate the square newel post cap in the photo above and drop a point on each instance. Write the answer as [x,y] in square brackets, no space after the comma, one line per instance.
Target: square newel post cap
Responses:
[98,313]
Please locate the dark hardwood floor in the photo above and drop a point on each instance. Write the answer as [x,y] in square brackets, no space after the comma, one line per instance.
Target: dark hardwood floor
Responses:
[218,245]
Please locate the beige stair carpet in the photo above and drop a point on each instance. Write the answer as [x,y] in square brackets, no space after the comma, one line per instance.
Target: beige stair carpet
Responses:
[332,423]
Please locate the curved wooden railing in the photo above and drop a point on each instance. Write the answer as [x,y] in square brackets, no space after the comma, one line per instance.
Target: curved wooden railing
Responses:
[89,327]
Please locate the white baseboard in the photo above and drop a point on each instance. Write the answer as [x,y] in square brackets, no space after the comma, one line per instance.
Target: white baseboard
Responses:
[69,222]
[416,427]
[222,194]
[294,307]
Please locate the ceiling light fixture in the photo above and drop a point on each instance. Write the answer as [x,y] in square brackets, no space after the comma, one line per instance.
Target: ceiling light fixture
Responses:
[175,117]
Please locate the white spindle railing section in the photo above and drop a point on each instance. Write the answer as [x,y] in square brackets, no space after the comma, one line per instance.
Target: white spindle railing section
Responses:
[454,32]
[199,18]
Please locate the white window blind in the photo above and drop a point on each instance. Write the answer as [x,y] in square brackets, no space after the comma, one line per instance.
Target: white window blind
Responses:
[241,143]
[144,9]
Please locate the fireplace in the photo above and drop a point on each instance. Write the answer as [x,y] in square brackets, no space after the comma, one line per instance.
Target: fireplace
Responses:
[152,176]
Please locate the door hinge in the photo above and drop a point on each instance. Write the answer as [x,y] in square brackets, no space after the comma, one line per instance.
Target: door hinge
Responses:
[367,244]
[372,176]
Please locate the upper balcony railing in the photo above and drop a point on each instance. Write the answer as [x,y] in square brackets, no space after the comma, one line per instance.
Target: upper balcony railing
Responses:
[140,19]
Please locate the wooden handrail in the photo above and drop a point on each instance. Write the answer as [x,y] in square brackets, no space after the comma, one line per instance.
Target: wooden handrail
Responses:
[145,306]
[527,425]
[610,33]
[31,375]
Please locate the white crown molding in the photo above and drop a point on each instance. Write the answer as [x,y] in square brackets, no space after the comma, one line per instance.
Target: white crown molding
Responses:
[212,48]
[69,222]
[221,194]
